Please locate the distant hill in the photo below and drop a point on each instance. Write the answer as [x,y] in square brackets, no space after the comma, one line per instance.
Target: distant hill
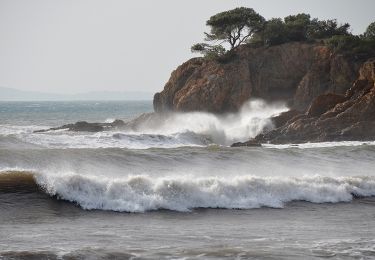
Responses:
[10,94]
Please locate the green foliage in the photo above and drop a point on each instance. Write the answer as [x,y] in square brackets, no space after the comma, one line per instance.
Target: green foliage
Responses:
[233,27]
[296,26]
[342,43]
[326,28]
[356,46]
[244,25]
[300,28]
[209,51]
[370,31]
[275,32]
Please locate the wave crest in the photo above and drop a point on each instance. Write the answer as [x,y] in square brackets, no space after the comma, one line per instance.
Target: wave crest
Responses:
[143,193]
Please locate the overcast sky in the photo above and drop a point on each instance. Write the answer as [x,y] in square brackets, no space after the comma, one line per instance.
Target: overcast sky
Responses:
[71,46]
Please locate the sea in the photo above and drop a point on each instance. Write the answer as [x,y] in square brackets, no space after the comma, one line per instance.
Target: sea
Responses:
[175,189]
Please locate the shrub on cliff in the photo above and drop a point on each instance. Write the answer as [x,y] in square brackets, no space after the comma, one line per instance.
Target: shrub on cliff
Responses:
[370,32]
[299,28]
[359,47]
[275,32]
[232,27]
[322,29]
[209,51]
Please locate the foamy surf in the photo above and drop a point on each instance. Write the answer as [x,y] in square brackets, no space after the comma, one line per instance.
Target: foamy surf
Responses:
[170,131]
[141,193]
[249,121]
[59,190]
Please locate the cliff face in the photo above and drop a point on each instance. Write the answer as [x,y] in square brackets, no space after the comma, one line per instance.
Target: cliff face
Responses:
[293,72]
[332,117]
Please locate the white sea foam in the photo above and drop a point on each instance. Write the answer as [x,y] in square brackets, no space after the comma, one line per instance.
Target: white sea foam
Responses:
[7,129]
[319,145]
[172,130]
[252,119]
[66,139]
[109,120]
[182,193]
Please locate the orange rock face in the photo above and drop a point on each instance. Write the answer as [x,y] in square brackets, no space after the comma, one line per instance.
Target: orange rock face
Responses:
[292,72]
[323,103]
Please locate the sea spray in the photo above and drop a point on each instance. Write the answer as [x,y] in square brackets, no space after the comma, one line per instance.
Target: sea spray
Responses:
[170,130]
[249,121]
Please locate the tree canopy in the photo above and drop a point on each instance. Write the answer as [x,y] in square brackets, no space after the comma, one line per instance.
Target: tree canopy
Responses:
[297,26]
[320,29]
[233,27]
[300,27]
[243,25]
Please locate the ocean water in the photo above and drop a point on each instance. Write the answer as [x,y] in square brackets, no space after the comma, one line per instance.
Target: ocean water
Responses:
[174,189]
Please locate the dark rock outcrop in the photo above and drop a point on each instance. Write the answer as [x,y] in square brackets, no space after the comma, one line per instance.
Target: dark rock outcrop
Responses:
[145,120]
[284,117]
[250,143]
[83,126]
[293,72]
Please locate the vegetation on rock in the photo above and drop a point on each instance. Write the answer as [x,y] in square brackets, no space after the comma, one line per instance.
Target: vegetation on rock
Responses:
[232,27]
[245,26]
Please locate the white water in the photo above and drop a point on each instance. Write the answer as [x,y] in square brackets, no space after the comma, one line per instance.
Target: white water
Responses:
[180,179]
[252,119]
[142,193]
[172,130]
[186,178]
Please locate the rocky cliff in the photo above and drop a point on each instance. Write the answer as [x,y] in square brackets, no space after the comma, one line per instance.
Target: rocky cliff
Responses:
[293,72]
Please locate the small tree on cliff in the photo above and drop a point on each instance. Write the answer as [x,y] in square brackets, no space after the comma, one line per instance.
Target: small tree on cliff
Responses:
[233,27]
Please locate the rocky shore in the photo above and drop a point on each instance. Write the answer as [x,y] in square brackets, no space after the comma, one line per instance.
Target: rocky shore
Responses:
[332,117]
[331,96]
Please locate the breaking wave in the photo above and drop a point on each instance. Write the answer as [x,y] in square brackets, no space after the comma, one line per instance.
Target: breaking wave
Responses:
[141,193]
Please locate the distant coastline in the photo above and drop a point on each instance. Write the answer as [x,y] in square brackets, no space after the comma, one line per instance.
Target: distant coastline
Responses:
[11,94]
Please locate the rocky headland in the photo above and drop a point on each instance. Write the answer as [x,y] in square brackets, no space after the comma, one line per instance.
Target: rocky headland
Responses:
[331,96]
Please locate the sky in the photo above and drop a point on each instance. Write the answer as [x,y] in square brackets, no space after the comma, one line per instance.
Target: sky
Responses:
[73,46]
